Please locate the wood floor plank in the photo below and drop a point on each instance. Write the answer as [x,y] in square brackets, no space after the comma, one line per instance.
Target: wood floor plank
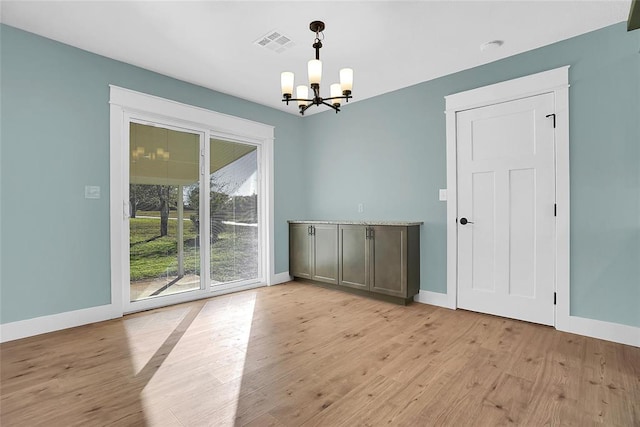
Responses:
[265,420]
[298,354]
[360,400]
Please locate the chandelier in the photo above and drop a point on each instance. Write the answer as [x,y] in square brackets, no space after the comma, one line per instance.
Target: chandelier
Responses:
[338,91]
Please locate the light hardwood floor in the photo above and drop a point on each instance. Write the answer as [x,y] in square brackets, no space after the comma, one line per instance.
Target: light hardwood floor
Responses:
[297,354]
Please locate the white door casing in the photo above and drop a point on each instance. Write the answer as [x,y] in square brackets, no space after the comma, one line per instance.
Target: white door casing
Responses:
[125,104]
[506,190]
[555,82]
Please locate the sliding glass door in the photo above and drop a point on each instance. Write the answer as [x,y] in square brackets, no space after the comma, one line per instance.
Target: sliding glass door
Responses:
[194,219]
[164,235]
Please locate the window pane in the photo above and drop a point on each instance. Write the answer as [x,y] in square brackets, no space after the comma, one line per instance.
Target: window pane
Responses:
[234,211]
[163,198]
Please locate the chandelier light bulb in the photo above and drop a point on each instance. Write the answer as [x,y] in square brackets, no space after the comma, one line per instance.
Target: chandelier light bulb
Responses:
[346,80]
[286,81]
[315,71]
[302,93]
[336,92]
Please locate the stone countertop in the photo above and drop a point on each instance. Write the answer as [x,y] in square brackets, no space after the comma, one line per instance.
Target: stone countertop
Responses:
[397,223]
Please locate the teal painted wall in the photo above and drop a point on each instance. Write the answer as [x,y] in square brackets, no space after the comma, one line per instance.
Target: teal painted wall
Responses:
[55,140]
[388,153]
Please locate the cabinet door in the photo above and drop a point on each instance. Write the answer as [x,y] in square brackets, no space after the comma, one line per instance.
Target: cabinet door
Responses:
[388,260]
[325,253]
[352,256]
[299,250]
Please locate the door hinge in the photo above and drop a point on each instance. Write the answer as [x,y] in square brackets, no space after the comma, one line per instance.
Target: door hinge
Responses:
[555,209]
[554,298]
[554,118]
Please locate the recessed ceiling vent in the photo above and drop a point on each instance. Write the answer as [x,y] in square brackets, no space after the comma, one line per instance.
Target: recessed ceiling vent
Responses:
[275,41]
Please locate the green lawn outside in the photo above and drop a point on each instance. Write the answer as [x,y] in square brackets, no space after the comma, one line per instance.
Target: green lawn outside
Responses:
[233,255]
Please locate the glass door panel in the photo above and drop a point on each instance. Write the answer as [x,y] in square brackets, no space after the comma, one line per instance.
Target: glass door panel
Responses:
[233,208]
[164,233]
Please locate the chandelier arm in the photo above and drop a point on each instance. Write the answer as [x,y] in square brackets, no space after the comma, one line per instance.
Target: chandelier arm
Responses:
[297,99]
[332,106]
[338,97]
[304,108]
[316,90]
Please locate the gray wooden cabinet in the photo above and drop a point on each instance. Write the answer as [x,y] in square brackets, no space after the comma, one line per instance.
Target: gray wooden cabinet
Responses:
[353,256]
[388,260]
[313,252]
[300,250]
[382,260]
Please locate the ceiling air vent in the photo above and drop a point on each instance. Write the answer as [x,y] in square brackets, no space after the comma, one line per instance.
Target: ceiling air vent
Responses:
[275,41]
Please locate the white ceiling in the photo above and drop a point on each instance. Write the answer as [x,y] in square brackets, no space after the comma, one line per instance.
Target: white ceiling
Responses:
[389,44]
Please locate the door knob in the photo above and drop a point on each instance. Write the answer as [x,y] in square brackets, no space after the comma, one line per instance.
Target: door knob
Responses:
[464,221]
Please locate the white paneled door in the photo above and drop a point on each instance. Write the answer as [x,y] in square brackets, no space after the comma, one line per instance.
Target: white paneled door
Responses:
[506,197]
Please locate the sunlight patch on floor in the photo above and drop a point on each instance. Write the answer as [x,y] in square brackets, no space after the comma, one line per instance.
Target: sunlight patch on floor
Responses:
[148,331]
[209,356]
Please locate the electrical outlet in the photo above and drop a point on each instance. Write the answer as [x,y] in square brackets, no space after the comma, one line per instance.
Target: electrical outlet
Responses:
[360,207]
[91,192]
[443,194]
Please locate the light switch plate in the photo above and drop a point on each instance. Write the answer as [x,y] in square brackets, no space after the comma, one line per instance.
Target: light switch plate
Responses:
[443,194]
[91,192]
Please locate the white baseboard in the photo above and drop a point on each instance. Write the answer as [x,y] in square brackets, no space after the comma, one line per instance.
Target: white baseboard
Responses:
[608,331]
[281,278]
[433,298]
[55,322]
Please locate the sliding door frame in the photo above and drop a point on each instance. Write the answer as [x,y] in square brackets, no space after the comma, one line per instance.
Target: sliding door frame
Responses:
[128,106]
[263,218]
[130,306]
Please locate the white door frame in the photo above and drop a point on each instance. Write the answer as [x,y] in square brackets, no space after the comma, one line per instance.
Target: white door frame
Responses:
[554,81]
[125,103]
